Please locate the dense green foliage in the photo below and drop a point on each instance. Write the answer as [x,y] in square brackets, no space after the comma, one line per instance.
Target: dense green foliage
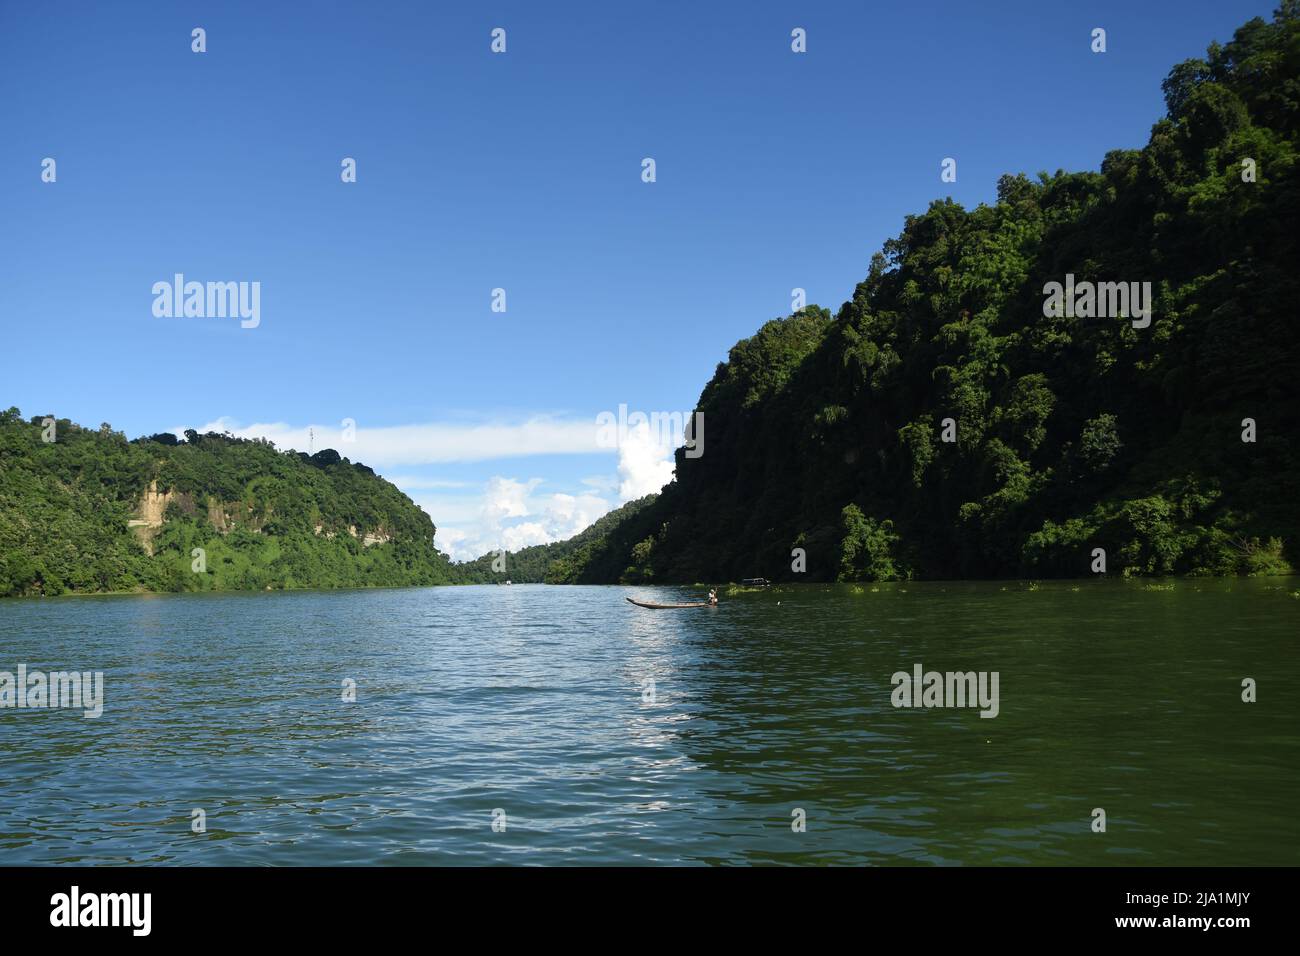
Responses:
[264,518]
[827,433]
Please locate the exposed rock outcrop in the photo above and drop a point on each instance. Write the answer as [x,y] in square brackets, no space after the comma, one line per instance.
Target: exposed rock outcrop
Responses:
[151,512]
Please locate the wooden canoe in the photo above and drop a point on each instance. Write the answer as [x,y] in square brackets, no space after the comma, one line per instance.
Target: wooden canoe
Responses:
[662,607]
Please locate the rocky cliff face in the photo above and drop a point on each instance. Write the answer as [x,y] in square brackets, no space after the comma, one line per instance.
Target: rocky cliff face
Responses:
[150,514]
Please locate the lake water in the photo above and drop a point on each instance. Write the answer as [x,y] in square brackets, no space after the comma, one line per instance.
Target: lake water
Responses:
[534,701]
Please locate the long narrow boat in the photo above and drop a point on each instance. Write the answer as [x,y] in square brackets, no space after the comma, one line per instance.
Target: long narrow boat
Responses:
[663,607]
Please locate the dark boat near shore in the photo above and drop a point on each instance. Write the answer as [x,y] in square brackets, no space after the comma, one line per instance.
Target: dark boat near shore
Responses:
[662,607]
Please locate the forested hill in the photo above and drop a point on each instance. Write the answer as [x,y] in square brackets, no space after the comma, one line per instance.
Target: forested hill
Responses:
[84,511]
[1068,433]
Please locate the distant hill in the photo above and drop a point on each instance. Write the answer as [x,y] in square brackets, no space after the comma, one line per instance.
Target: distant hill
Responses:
[949,421]
[571,561]
[90,511]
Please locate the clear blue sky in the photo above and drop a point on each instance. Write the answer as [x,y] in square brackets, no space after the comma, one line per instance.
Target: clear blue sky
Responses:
[520,170]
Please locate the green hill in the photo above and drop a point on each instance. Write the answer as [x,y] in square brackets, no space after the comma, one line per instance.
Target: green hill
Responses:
[827,433]
[90,511]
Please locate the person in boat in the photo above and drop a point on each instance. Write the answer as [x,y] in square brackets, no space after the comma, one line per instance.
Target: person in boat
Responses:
[713,597]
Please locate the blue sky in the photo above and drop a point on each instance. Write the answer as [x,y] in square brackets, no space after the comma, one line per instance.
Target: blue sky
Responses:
[520,171]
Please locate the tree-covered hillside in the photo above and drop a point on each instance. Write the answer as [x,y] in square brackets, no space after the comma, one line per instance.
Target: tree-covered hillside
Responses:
[89,511]
[828,434]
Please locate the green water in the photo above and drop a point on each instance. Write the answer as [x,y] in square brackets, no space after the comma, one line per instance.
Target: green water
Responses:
[534,701]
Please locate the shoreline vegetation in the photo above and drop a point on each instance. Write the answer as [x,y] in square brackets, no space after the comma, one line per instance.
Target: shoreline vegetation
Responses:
[238,516]
[950,422]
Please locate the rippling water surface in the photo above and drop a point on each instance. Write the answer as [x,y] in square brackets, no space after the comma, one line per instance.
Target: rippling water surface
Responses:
[532,700]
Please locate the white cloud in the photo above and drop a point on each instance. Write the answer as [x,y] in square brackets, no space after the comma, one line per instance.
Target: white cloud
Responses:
[645,463]
[427,444]
[450,540]
[510,514]
[506,498]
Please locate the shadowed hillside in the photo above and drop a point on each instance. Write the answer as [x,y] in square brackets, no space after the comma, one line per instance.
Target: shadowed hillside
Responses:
[943,424]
